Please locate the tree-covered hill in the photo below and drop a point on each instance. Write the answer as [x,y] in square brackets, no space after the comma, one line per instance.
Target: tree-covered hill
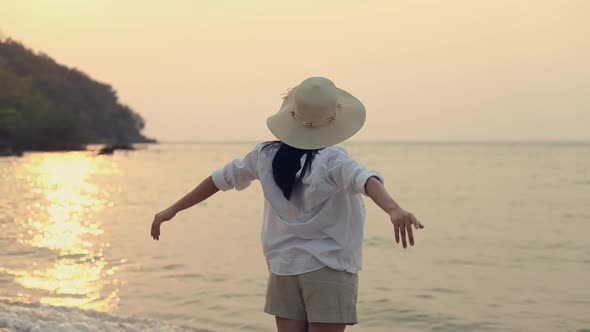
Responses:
[45,105]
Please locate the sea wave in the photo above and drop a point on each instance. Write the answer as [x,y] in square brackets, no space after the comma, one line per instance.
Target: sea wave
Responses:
[37,317]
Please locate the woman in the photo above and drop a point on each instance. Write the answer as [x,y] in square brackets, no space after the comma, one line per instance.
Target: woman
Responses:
[313,210]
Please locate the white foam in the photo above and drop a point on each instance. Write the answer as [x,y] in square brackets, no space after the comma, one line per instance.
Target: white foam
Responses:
[36,317]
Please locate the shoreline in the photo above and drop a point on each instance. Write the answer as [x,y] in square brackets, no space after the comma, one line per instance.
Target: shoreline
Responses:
[9,151]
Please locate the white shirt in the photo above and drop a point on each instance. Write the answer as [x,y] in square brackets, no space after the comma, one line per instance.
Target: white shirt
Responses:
[322,224]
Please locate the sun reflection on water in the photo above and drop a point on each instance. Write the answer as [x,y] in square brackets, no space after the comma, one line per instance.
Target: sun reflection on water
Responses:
[65,218]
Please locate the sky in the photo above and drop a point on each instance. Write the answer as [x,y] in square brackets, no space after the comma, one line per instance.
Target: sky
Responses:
[426,70]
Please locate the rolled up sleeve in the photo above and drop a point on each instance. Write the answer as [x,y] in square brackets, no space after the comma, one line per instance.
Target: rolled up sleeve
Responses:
[349,174]
[239,173]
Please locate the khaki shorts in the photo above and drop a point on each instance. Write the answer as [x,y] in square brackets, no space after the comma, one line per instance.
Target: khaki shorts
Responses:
[322,296]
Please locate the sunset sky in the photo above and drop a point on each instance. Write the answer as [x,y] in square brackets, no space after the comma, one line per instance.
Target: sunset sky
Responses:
[426,70]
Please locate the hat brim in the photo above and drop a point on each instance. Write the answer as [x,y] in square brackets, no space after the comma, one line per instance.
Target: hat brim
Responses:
[348,121]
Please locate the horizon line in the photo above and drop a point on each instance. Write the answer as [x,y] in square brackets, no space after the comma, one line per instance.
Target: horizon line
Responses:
[247,141]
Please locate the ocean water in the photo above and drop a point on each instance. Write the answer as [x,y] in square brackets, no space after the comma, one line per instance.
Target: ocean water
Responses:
[506,245]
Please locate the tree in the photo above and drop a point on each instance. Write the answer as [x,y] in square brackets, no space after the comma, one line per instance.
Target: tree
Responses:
[46,105]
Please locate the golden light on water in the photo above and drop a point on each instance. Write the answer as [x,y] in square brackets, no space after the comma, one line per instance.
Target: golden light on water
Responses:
[63,217]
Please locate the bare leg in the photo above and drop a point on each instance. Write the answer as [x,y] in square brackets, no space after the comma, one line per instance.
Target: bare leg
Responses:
[326,327]
[291,325]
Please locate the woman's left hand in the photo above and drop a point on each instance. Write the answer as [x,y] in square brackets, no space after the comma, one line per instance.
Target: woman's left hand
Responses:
[159,218]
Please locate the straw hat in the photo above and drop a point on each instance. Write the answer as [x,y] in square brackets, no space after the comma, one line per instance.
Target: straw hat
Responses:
[317,114]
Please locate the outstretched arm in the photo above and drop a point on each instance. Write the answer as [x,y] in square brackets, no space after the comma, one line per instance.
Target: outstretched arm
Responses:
[401,219]
[203,191]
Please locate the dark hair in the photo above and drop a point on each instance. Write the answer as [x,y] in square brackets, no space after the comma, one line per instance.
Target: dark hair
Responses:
[286,163]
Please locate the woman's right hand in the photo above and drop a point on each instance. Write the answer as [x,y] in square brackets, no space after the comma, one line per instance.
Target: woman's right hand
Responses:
[159,218]
[402,221]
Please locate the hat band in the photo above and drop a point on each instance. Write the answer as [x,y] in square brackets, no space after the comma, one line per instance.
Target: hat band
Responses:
[316,124]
